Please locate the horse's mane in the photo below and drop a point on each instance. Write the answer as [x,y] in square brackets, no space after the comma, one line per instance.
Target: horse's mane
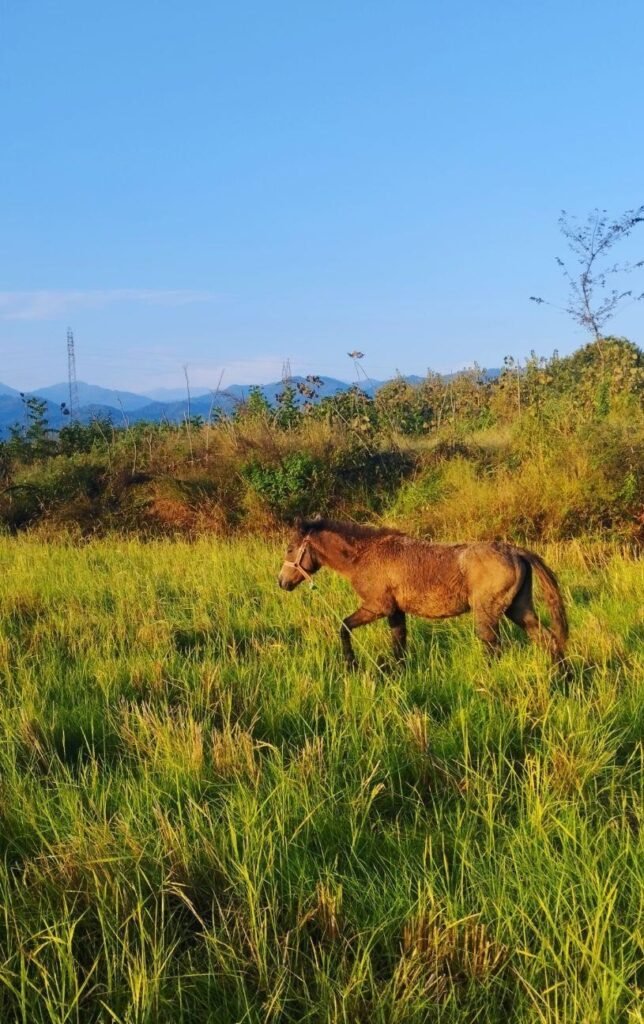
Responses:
[349,531]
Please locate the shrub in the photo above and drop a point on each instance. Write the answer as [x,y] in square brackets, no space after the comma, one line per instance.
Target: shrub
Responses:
[296,485]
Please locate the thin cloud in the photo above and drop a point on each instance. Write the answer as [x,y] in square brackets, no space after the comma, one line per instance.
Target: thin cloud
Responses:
[54,304]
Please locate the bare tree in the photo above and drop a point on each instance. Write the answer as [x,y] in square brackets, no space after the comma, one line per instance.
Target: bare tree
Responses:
[592,298]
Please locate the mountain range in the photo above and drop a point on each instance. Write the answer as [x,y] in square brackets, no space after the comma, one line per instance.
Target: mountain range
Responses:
[126,407]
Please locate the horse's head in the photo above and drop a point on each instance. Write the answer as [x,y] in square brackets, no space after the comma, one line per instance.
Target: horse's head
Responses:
[300,561]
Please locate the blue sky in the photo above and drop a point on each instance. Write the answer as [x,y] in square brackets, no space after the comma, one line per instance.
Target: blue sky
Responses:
[228,185]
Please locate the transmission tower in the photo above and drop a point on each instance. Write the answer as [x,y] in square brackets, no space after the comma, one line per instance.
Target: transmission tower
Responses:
[71,373]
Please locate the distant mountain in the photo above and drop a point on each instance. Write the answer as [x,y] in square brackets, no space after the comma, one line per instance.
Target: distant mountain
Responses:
[153,412]
[329,386]
[92,394]
[123,407]
[175,394]
[227,400]
[12,412]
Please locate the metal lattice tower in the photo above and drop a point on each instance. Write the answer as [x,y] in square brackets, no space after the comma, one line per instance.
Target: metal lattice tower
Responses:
[71,373]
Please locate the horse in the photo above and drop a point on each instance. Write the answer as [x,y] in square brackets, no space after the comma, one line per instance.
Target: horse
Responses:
[395,574]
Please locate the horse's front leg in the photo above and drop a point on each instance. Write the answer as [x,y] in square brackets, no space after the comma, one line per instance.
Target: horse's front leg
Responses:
[398,627]
[359,618]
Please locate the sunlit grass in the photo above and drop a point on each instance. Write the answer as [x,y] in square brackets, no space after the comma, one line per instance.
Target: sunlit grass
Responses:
[204,817]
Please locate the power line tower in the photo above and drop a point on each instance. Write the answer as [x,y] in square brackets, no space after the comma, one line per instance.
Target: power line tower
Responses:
[71,374]
[286,371]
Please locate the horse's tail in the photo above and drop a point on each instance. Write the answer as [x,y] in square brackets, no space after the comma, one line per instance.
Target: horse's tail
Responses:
[552,594]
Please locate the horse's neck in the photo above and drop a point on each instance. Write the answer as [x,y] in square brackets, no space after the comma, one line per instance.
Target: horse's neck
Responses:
[334,551]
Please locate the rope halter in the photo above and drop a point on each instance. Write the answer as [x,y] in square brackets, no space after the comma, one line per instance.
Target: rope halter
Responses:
[297,561]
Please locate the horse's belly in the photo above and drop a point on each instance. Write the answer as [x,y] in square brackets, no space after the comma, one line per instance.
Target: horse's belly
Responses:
[435,603]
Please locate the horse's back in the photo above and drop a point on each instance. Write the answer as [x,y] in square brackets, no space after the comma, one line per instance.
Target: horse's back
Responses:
[425,579]
[443,580]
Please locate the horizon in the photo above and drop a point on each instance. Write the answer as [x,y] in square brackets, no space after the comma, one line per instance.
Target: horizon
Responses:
[273,367]
[261,185]
[197,390]
[194,389]
[270,370]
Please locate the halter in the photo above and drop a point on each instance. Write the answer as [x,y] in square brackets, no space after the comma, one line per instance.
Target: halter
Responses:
[297,561]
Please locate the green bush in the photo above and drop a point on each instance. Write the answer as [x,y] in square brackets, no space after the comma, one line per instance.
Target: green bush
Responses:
[296,485]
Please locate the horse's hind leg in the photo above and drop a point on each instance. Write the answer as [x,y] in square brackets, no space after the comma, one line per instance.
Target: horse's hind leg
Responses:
[361,617]
[522,612]
[398,628]
[503,587]
[486,624]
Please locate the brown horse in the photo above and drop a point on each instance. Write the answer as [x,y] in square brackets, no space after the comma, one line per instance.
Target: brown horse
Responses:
[393,574]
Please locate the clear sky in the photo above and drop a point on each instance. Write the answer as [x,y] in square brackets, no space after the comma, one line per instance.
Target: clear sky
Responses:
[230,184]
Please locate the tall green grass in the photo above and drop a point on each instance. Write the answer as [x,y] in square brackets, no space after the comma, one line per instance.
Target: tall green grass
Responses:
[204,817]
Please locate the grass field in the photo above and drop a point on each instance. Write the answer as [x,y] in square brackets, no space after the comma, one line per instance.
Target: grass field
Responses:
[203,817]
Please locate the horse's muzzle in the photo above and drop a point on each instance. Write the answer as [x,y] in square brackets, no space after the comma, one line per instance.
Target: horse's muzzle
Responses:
[291,575]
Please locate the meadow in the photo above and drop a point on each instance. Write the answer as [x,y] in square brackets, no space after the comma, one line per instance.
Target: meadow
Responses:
[205,817]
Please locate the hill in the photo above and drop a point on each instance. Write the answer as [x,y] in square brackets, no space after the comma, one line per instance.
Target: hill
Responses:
[553,452]
[128,408]
[12,412]
[174,394]
[93,394]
